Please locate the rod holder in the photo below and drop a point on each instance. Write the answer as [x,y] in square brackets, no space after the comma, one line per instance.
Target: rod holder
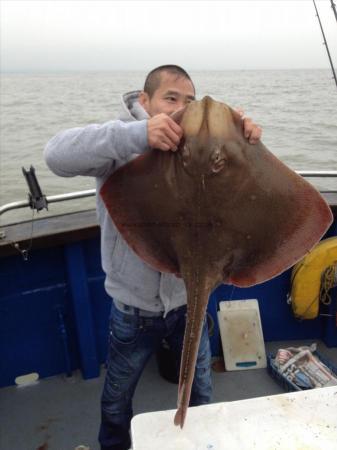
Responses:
[37,200]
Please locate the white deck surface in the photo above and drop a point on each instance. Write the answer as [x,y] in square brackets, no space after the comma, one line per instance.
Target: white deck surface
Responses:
[299,420]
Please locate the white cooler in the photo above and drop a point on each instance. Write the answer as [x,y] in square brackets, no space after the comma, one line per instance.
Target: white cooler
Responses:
[305,420]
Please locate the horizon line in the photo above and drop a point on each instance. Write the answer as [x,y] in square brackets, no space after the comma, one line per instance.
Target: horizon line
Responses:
[23,71]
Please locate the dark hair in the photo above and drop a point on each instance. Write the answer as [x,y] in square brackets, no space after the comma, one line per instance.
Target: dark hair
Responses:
[152,81]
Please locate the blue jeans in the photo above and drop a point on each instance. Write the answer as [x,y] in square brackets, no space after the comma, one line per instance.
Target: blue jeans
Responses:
[133,339]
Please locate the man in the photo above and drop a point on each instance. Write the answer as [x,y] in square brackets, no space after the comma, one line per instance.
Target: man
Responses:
[147,306]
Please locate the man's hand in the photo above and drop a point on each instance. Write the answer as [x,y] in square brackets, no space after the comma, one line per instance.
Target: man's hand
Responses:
[251,131]
[163,132]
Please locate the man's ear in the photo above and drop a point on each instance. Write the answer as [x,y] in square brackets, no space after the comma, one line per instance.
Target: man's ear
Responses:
[178,115]
[144,100]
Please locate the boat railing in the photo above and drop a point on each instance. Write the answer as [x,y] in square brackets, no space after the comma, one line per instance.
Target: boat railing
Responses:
[92,192]
[50,199]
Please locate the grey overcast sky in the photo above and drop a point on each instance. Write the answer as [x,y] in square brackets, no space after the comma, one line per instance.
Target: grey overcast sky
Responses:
[138,35]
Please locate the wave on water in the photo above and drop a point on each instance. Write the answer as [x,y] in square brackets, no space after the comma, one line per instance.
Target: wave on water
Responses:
[296,109]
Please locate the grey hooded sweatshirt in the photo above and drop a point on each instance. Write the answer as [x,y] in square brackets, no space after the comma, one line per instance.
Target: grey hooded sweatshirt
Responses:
[98,150]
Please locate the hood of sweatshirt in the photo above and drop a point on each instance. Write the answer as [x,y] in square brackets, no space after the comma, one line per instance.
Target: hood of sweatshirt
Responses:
[131,108]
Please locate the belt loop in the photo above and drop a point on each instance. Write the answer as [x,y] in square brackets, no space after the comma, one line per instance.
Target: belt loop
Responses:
[138,318]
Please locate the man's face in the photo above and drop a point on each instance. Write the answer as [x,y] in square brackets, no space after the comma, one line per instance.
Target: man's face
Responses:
[173,93]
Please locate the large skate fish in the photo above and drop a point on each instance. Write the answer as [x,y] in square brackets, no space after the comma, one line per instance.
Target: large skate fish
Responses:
[218,210]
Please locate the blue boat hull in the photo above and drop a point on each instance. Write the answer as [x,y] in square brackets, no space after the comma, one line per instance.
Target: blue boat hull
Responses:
[54,310]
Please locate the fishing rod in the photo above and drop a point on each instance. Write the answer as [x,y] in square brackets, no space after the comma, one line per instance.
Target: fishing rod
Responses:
[326,44]
[333,6]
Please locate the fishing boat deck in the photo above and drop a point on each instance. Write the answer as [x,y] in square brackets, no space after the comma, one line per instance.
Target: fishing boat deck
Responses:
[62,413]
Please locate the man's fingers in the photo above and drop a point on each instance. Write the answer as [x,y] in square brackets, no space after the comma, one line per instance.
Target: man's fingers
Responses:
[241,112]
[175,127]
[171,134]
[164,147]
[251,131]
[247,127]
[162,142]
[164,133]
[167,144]
[255,135]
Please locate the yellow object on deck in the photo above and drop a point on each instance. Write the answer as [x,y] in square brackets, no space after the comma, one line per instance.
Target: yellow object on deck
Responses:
[312,278]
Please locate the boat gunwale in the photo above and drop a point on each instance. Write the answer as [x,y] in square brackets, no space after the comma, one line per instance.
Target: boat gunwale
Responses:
[75,226]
